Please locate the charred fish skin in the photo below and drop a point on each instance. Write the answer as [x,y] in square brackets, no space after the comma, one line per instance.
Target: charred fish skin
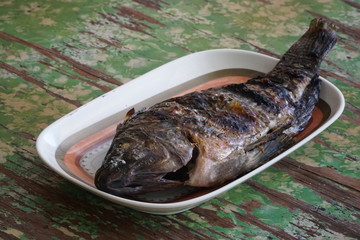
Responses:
[145,151]
[207,138]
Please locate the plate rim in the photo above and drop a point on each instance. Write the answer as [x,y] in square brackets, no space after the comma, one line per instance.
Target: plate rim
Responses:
[46,143]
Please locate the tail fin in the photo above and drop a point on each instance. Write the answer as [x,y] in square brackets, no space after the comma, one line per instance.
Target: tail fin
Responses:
[302,61]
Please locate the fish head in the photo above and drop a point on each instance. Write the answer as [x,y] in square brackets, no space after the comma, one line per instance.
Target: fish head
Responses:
[140,164]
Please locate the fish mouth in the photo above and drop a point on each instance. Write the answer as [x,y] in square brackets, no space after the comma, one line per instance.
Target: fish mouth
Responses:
[130,185]
[124,180]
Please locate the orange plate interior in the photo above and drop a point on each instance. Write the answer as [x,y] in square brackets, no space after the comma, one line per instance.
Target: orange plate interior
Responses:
[75,153]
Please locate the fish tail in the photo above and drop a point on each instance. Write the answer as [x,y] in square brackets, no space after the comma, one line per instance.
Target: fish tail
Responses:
[302,61]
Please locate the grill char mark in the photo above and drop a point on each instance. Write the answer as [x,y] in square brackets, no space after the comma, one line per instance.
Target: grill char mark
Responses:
[280,90]
[214,109]
[204,137]
[258,97]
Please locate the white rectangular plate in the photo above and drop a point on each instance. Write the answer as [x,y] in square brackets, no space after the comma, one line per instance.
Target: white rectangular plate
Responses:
[99,115]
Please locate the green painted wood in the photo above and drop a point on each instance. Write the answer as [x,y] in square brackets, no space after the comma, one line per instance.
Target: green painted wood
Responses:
[57,55]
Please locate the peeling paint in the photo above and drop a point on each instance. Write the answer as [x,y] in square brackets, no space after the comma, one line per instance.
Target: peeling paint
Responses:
[56,56]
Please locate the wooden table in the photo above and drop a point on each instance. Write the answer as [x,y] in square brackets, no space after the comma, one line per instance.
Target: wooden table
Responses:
[57,55]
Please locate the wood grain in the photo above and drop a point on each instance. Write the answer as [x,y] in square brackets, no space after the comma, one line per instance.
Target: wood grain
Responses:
[57,55]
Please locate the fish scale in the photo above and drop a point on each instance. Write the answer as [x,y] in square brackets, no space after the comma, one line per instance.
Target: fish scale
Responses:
[206,138]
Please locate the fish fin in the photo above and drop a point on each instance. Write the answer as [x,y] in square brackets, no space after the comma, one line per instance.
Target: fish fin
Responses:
[130,113]
[307,102]
[266,151]
[270,136]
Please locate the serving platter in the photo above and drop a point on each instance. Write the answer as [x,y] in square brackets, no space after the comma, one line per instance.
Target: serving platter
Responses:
[74,145]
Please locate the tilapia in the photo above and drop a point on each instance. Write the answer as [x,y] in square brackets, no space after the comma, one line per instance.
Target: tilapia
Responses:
[210,137]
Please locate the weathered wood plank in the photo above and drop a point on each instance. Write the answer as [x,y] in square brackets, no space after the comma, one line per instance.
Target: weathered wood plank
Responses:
[56,56]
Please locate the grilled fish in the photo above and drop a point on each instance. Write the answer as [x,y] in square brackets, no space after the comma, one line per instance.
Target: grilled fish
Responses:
[206,138]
